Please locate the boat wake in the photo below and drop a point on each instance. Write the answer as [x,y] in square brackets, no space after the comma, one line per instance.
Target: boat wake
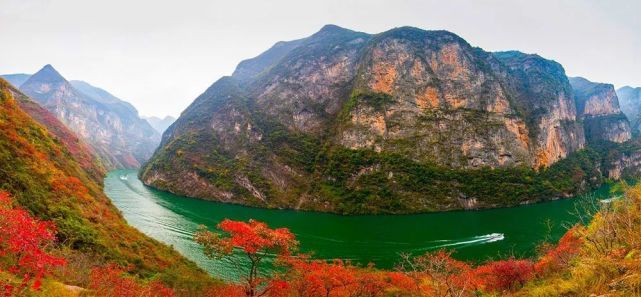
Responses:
[474,240]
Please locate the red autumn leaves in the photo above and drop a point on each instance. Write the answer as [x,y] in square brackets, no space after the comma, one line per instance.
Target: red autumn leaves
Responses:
[432,274]
[112,281]
[257,241]
[23,253]
[25,260]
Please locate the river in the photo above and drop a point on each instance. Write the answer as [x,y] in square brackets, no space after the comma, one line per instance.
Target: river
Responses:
[475,235]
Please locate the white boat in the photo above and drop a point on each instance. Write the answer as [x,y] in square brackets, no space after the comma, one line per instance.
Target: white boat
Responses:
[609,200]
[123,177]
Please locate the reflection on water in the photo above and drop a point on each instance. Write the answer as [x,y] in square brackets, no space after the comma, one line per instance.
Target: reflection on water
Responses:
[475,235]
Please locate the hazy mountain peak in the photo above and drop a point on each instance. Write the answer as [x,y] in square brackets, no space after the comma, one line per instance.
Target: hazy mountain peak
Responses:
[160,124]
[47,74]
[332,28]
[110,125]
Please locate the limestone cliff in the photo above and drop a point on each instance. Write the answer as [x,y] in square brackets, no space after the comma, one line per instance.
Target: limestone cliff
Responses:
[111,126]
[598,107]
[402,121]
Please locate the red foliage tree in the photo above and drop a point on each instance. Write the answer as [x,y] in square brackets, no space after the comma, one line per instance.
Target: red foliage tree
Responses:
[256,241]
[23,242]
[559,256]
[111,281]
[317,277]
[446,276]
[505,274]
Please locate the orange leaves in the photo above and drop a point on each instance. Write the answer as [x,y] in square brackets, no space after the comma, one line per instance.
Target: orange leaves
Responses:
[445,275]
[252,237]
[256,236]
[505,274]
[319,278]
[341,279]
[256,240]
[559,256]
[432,274]
[68,186]
[112,281]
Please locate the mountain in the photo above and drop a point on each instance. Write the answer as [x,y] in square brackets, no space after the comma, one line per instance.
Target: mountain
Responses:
[16,79]
[160,124]
[44,171]
[598,107]
[81,152]
[111,126]
[630,100]
[403,121]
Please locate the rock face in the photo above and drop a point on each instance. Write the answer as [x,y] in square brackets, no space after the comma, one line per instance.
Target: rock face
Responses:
[313,121]
[598,106]
[159,124]
[111,126]
[630,101]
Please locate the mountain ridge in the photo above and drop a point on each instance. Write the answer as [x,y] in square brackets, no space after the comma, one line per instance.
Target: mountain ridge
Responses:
[325,122]
[110,125]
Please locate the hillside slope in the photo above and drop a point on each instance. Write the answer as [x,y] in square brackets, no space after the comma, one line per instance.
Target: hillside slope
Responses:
[44,175]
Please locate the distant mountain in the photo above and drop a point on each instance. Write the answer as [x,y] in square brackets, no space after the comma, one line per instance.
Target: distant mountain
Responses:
[112,126]
[598,107]
[160,124]
[96,93]
[630,100]
[16,79]
[406,120]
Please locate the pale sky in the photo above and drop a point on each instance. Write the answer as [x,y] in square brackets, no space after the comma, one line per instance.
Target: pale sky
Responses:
[160,55]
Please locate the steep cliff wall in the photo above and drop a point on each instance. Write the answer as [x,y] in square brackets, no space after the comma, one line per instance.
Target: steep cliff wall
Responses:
[402,121]
[598,107]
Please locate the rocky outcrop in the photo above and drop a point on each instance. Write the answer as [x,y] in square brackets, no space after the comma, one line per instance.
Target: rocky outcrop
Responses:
[625,164]
[630,101]
[598,107]
[326,122]
[111,126]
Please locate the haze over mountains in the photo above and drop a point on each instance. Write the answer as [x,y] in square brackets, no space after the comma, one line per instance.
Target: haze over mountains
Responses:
[630,99]
[325,123]
[111,126]
[160,124]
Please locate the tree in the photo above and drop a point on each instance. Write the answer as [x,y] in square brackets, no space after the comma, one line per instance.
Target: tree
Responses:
[23,244]
[111,281]
[318,278]
[505,275]
[556,257]
[446,276]
[256,241]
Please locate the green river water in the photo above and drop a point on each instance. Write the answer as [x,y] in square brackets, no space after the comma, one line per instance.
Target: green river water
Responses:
[475,235]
